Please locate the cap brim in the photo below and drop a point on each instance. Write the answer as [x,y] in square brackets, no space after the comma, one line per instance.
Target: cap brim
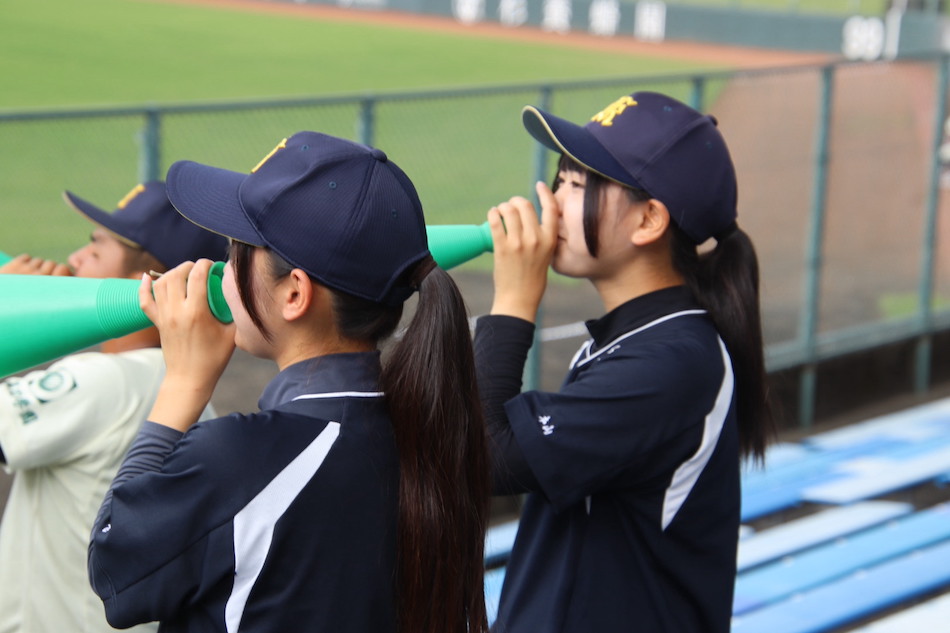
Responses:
[208,196]
[576,142]
[100,216]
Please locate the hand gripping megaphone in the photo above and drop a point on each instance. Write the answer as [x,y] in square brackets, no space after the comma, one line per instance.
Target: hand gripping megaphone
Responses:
[46,317]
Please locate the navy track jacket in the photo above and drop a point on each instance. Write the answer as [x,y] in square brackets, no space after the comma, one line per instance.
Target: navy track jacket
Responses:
[282,520]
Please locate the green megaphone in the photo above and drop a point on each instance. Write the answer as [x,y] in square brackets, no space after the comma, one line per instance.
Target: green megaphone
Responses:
[453,244]
[4,258]
[45,317]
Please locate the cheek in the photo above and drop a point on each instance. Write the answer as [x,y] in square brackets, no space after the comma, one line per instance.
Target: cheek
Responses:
[232,296]
[229,288]
[573,221]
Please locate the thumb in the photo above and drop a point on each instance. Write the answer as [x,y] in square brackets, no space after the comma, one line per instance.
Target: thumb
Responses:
[549,210]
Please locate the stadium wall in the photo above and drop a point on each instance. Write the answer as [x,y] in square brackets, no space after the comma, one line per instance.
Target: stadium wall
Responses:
[858,37]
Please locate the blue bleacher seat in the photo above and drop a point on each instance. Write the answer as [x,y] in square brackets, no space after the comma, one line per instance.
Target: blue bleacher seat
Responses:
[930,616]
[880,475]
[800,534]
[852,598]
[787,577]
[853,463]
[494,578]
[499,539]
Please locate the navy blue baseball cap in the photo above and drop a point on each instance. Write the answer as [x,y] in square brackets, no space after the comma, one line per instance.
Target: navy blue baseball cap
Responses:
[338,210]
[653,142]
[145,219]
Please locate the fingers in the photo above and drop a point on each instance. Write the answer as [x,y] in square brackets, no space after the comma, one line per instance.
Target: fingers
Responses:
[523,247]
[146,300]
[495,223]
[167,297]
[549,210]
[515,223]
[61,270]
[46,267]
[27,265]
[173,285]
[195,345]
[197,281]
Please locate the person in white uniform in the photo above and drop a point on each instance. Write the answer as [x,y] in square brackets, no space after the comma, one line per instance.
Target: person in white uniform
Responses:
[65,429]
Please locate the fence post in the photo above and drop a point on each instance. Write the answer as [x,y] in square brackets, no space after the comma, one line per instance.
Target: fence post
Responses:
[366,125]
[150,156]
[813,254]
[696,93]
[532,370]
[923,351]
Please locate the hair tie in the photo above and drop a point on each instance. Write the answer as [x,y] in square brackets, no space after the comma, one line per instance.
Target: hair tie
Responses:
[422,270]
[726,232]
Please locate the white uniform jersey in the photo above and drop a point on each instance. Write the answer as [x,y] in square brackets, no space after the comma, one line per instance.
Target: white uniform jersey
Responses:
[64,432]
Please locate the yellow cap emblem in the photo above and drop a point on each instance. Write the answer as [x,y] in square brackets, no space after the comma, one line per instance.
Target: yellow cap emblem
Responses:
[606,116]
[130,196]
[280,145]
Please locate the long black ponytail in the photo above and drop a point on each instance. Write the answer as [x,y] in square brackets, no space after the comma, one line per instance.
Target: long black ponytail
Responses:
[430,385]
[444,486]
[725,281]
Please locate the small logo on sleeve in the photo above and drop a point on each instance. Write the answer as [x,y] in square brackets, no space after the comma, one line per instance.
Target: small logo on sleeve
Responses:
[545,422]
[30,393]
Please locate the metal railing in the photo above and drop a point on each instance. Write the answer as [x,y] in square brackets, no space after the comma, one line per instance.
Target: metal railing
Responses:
[840,175]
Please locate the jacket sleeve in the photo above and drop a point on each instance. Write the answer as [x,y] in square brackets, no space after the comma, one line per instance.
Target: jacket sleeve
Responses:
[501,350]
[162,536]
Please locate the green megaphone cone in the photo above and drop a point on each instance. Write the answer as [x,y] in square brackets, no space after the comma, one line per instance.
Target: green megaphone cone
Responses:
[42,318]
[453,244]
[47,317]
[4,258]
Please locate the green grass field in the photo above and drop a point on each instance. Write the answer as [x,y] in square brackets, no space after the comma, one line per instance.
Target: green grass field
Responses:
[63,52]
[59,53]
[463,154]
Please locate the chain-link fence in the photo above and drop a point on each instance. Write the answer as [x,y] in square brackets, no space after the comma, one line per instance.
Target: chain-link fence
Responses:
[839,169]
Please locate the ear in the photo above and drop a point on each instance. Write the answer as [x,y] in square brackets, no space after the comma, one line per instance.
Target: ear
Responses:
[297,295]
[653,221]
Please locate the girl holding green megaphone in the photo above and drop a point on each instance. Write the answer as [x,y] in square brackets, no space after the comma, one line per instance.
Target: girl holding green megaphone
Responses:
[363,476]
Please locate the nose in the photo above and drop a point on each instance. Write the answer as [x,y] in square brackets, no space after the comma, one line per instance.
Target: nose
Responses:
[559,198]
[76,257]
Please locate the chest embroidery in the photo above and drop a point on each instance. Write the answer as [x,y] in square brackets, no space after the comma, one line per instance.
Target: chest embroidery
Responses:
[546,427]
